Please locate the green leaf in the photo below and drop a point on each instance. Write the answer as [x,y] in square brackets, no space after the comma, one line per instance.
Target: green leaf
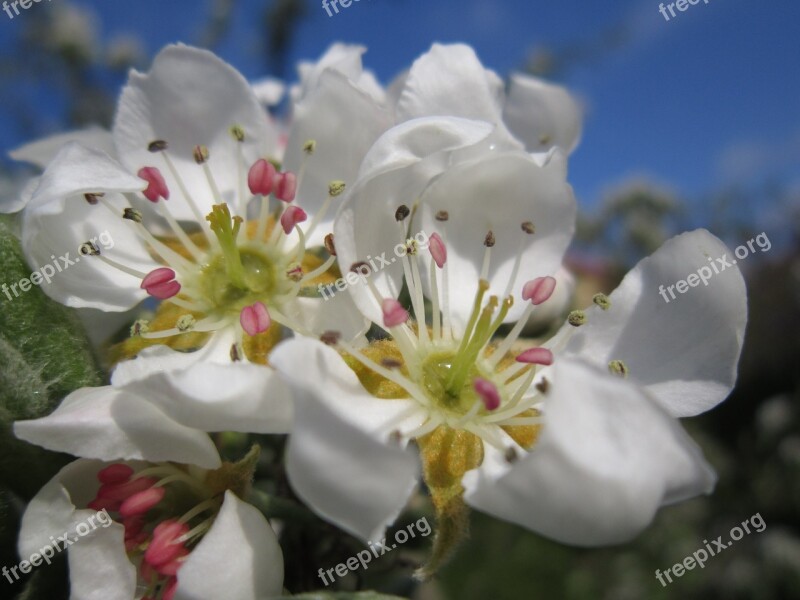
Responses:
[44,355]
[46,336]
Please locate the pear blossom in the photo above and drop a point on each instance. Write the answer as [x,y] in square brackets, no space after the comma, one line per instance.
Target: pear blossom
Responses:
[575,438]
[201,219]
[180,528]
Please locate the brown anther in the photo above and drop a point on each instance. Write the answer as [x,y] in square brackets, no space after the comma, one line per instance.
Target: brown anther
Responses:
[329,245]
[489,240]
[543,386]
[511,455]
[360,268]
[89,249]
[93,198]
[401,213]
[528,227]
[131,214]
[391,363]
[330,338]
[309,147]
[235,354]
[442,215]
[200,154]
[157,146]
[395,437]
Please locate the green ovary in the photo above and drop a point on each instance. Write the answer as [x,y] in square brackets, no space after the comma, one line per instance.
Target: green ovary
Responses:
[262,280]
[436,371]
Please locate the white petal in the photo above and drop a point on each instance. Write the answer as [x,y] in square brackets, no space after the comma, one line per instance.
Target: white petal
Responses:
[341,142]
[333,312]
[113,424]
[450,80]
[542,115]
[684,352]
[190,97]
[99,566]
[498,194]
[41,152]
[57,228]
[395,171]
[76,170]
[606,460]
[238,396]
[269,91]
[238,558]
[16,193]
[338,459]
[156,359]
[341,58]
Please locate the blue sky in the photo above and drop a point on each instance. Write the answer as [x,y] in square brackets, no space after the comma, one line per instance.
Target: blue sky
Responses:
[705,100]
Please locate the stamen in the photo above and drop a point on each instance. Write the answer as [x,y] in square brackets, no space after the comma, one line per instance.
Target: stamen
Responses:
[286,186]
[255,318]
[602,301]
[393,313]
[488,393]
[330,245]
[291,217]
[156,186]
[488,242]
[260,177]
[536,356]
[617,367]
[401,213]
[436,316]
[160,283]
[437,249]
[335,189]
[186,196]
[539,290]
[323,268]
[140,503]
[116,473]
[576,318]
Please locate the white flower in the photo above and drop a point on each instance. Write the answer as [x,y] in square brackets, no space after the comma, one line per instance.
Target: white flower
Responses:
[179,530]
[545,437]
[169,217]
[449,80]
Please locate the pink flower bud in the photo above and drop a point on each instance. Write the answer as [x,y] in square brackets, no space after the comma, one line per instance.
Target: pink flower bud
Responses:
[291,217]
[255,319]
[536,356]
[160,283]
[538,290]
[156,186]
[488,392]
[260,177]
[438,250]
[393,313]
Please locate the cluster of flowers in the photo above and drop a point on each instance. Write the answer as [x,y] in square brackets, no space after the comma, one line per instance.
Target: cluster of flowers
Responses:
[227,225]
